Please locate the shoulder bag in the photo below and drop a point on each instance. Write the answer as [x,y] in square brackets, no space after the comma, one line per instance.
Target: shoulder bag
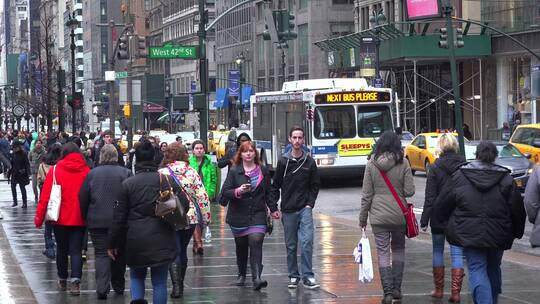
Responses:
[169,207]
[410,218]
[55,200]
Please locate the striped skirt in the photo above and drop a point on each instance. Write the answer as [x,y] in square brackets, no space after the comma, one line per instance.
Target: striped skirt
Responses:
[243,231]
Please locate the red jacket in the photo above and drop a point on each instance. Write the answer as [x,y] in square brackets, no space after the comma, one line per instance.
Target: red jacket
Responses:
[70,174]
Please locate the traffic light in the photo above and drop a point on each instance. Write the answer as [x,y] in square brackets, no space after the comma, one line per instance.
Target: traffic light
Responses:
[142,51]
[127,110]
[123,47]
[443,42]
[458,38]
[286,27]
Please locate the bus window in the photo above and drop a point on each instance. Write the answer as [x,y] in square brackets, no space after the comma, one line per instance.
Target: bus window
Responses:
[334,122]
[373,121]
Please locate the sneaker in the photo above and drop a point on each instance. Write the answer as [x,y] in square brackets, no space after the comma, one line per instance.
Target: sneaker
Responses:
[84,257]
[62,285]
[310,283]
[293,282]
[75,288]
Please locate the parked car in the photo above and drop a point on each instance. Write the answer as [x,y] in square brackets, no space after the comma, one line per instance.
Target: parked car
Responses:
[526,139]
[509,157]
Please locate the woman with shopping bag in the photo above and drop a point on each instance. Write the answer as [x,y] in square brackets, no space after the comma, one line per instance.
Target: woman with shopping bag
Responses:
[387,182]
[69,174]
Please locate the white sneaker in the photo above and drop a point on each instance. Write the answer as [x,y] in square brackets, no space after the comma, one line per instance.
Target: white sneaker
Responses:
[310,283]
[293,282]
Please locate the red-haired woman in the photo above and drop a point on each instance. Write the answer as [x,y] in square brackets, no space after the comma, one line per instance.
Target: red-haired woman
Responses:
[248,188]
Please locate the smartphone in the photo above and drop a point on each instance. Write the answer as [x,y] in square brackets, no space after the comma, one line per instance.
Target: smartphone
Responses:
[248,186]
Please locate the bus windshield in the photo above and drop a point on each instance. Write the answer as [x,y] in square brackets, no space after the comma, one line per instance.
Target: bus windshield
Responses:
[334,122]
[373,121]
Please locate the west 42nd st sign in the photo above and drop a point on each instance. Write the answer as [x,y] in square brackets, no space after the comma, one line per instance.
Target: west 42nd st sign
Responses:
[169,51]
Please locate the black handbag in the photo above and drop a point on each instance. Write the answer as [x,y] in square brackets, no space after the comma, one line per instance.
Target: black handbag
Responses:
[170,206]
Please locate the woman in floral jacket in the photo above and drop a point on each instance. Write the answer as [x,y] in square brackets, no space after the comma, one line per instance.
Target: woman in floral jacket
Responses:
[176,160]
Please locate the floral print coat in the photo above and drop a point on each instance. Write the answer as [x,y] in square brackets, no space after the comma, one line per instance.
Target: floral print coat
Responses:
[192,184]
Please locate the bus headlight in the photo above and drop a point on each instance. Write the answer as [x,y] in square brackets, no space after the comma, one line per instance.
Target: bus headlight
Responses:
[325,161]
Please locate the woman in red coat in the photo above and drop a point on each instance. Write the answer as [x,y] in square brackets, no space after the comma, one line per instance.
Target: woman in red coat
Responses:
[70,173]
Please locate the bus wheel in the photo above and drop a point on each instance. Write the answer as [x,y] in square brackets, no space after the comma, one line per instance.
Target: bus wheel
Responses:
[412,171]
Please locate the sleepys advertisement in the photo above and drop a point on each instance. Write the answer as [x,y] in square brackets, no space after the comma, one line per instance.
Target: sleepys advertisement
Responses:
[355,147]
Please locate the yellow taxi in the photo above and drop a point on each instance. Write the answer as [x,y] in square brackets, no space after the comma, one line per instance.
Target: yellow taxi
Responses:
[421,152]
[213,140]
[526,139]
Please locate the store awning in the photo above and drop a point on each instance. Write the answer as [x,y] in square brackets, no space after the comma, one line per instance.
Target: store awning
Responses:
[246,94]
[222,100]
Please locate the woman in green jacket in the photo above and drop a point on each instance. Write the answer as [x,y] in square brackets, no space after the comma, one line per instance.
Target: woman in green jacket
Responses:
[202,163]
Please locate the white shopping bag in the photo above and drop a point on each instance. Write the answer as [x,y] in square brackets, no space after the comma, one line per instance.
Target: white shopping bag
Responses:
[55,199]
[362,256]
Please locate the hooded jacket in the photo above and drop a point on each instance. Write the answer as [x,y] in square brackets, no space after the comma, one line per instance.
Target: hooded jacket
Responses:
[20,168]
[70,174]
[209,174]
[485,208]
[532,206]
[149,240]
[377,200]
[439,184]
[298,181]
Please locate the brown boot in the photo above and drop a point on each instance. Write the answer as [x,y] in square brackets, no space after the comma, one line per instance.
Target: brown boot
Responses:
[457,280]
[438,281]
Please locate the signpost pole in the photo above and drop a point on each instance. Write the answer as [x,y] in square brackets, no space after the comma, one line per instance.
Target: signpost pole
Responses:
[203,73]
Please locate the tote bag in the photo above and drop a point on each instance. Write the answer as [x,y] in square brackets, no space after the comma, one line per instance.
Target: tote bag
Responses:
[55,199]
[362,256]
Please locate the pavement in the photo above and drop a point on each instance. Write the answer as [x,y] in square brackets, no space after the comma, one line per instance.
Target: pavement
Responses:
[26,276]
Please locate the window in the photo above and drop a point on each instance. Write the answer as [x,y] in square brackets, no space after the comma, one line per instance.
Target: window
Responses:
[303,44]
[334,122]
[342,1]
[508,151]
[526,136]
[373,121]
[303,4]
[419,141]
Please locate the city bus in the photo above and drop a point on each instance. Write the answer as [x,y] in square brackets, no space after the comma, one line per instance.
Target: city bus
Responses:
[342,119]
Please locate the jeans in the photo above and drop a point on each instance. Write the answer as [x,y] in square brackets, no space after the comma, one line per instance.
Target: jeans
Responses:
[48,235]
[485,280]
[456,252]
[14,191]
[183,237]
[390,247]
[299,226]
[69,242]
[107,271]
[159,283]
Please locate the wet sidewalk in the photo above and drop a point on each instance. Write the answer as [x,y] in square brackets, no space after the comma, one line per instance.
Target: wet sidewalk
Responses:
[26,276]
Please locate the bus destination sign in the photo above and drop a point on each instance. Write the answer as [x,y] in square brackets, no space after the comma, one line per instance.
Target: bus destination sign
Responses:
[352,97]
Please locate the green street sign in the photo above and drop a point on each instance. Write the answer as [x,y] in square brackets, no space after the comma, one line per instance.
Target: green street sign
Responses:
[120,75]
[170,51]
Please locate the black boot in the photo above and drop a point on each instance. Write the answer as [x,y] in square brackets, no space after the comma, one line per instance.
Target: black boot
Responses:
[256,271]
[14,204]
[182,270]
[24,206]
[397,275]
[175,278]
[242,267]
[387,284]
[140,301]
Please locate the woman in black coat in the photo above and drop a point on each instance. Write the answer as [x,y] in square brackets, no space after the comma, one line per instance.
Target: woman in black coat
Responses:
[19,172]
[486,213]
[149,240]
[247,187]
[438,186]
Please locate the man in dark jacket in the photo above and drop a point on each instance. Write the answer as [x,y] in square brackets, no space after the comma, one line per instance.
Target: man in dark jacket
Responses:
[107,138]
[486,214]
[19,172]
[297,178]
[98,194]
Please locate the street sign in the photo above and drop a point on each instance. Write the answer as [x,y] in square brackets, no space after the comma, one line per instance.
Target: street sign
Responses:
[169,51]
[120,75]
[150,107]
[378,82]
[110,75]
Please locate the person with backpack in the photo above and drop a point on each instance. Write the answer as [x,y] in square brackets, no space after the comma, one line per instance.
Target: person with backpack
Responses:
[439,184]
[386,217]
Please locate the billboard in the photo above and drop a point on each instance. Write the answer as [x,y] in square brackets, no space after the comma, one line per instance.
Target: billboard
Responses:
[422,9]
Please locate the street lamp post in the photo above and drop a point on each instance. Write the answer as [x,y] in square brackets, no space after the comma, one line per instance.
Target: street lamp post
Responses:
[72,23]
[239,61]
[377,18]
